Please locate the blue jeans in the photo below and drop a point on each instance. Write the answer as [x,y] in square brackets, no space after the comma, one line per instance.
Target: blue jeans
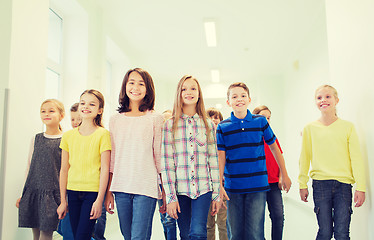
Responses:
[275,206]
[135,214]
[64,228]
[99,228]
[80,205]
[193,216]
[333,208]
[246,214]
[169,224]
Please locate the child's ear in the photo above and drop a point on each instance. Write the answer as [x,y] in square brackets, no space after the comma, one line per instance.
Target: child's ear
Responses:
[100,111]
[250,99]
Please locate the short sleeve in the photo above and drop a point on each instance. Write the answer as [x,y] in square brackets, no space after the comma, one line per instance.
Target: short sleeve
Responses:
[64,145]
[269,136]
[105,143]
[220,141]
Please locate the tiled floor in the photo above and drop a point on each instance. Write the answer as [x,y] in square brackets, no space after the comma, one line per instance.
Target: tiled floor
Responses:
[300,223]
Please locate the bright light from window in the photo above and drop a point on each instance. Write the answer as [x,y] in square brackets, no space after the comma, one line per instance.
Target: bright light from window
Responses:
[219,106]
[210,34]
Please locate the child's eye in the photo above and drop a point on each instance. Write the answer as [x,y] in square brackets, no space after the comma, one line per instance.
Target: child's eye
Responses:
[141,84]
[327,96]
[319,98]
[92,104]
[183,89]
[81,103]
[193,89]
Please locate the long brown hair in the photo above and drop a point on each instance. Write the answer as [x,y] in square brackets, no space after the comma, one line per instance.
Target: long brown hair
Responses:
[148,102]
[178,106]
[59,105]
[100,97]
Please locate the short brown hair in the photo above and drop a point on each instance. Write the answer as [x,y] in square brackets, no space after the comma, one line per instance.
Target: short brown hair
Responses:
[74,107]
[148,102]
[237,84]
[214,112]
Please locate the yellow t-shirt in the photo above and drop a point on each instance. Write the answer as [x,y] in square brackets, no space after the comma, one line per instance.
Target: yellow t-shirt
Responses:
[333,152]
[85,158]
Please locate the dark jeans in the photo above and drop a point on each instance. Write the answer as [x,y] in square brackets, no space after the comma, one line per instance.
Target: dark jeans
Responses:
[246,214]
[333,208]
[193,216]
[99,228]
[169,224]
[275,206]
[80,205]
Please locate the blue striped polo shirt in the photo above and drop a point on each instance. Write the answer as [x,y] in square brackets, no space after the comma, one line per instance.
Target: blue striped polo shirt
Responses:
[243,142]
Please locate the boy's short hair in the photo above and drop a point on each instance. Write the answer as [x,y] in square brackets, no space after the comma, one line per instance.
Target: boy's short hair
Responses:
[237,84]
[214,112]
[74,107]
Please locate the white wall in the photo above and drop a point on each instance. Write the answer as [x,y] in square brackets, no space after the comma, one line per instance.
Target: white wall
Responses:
[27,61]
[351,52]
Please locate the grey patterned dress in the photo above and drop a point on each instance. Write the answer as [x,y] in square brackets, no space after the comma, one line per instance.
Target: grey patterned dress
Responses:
[41,194]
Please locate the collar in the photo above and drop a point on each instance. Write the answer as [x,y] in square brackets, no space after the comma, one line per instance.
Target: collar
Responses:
[247,118]
[194,117]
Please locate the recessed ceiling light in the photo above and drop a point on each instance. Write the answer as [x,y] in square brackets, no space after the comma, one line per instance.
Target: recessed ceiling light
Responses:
[210,34]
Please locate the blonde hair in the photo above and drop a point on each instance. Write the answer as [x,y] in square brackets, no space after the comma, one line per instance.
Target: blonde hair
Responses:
[60,107]
[178,106]
[259,109]
[327,86]
[100,97]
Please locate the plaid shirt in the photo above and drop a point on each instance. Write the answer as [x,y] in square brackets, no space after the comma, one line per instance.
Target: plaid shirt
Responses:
[189,164]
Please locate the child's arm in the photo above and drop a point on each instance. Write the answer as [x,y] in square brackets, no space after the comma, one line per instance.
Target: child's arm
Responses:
[304,163]
[109,199]
[214,170]
[62,209]
[97,206]
[31,151]
[222,163]
[286,181]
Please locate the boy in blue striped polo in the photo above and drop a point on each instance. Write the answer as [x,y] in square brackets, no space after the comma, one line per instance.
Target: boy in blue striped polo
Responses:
[240,142]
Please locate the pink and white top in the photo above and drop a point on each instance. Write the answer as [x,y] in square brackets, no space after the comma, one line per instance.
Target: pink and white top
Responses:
[136,153]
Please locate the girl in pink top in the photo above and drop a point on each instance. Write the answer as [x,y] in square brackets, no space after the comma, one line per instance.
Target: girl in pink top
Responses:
[135,160]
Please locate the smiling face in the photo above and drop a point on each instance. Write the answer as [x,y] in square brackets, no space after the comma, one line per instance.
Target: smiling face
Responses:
[89,106]
[50,114]
[135,87]
[238,99]
[190,92]
[326,100]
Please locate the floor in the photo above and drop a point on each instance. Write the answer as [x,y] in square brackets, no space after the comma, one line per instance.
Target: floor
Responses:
[300,223]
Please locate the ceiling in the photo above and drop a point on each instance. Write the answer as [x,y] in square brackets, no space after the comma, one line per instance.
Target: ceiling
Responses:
[254,38]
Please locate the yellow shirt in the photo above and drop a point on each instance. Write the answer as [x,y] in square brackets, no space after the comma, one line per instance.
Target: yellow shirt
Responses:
[85,158]
[334,153]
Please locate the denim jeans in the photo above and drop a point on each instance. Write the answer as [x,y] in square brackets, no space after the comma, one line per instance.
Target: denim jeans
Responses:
[246,213]
[275,206]
[99,228]
[135,214]
[333,208]
[169,224]
[193,216]
[80,205]
[64,228]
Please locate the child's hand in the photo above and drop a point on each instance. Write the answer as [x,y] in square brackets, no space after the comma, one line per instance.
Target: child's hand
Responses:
[304,193]
[286,183]
[173,209]
[216,207]
[359,198]
[62,210]
[96,209]
[109,203]
[223,195]
[17,202]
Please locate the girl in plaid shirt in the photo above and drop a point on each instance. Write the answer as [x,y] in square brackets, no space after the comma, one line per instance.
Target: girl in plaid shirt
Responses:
[189,163]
